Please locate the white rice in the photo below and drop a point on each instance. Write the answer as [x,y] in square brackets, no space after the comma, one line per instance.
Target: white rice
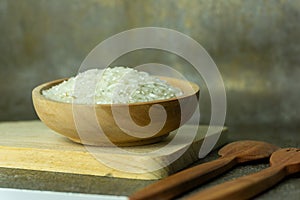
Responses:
[112,85]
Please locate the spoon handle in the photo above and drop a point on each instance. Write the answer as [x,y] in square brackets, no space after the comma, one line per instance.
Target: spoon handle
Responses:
[244,187]
[185,180]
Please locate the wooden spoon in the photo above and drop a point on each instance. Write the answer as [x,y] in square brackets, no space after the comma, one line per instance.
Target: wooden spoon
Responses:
[283,162]
[231,155]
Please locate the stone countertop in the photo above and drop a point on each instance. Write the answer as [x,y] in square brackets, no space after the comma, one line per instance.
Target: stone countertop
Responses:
[51,181]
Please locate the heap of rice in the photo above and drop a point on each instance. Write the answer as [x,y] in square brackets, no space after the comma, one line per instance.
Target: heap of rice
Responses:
[110,86]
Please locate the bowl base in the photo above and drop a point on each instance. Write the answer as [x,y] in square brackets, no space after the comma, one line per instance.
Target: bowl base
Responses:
[123,144]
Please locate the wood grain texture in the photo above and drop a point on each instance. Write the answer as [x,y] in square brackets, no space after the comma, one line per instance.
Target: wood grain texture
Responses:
[80,122]
[181,182]
[283,162]
[31,145]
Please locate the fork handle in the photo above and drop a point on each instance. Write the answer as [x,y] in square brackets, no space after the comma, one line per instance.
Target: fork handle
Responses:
[244,187]
[185,180]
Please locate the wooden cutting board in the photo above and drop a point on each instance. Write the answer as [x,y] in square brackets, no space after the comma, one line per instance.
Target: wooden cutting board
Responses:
[31,145]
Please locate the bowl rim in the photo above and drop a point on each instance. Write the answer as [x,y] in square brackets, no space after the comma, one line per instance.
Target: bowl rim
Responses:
[37,92]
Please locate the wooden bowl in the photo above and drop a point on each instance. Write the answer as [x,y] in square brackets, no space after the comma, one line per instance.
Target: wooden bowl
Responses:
[81,122]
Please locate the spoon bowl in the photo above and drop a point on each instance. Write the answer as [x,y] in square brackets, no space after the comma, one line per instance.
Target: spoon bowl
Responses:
[248,150]
[289,157]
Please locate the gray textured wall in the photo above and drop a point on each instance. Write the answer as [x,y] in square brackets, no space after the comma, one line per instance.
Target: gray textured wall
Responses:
[255,44]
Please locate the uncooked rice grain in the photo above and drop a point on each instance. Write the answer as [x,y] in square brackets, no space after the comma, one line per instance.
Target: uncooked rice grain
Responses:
[111,86]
